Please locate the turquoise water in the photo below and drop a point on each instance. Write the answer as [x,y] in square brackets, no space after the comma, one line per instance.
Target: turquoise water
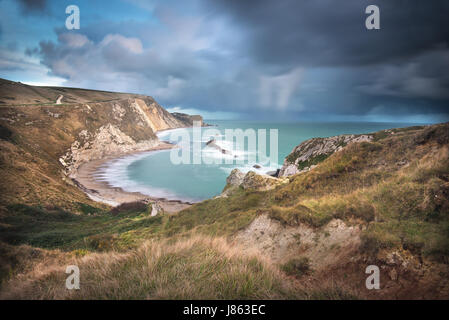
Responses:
[153,173]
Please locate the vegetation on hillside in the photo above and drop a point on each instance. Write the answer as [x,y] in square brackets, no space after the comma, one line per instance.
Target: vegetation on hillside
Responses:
[396,189]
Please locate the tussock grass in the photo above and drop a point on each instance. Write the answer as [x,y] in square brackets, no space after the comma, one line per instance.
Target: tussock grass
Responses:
[195,268]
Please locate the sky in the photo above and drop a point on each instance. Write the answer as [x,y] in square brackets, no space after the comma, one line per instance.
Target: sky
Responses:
[298,60]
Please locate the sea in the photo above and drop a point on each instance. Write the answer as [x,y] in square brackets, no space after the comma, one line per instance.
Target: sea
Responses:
[195,170]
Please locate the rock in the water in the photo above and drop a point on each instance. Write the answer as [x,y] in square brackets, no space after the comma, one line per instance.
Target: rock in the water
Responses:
[257,166]
[212,143]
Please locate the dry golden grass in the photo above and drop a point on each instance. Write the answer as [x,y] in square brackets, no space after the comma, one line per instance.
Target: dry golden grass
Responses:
[195,268]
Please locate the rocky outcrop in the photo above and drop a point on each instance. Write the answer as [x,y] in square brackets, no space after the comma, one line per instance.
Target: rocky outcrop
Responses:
[156,117]
[250,181]
[309,153]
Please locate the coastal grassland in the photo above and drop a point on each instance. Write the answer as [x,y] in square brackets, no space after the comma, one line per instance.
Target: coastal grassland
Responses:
[196,268]
[122,227]
[395,189]
[53,227]
[46,229]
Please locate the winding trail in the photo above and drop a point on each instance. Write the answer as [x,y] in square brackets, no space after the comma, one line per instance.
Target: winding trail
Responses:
[58,101]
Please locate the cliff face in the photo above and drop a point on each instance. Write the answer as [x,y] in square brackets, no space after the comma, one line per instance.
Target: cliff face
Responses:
[130,125]
[64,136]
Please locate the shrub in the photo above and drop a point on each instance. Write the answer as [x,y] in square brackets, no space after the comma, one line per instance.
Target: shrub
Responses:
[136,206]
[312,161]
[87,209]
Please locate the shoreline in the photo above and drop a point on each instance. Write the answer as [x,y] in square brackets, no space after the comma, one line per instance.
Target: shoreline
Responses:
[101,191]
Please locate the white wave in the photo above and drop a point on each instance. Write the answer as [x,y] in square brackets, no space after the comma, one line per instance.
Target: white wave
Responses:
[115,174]
[245,168]
[168,135]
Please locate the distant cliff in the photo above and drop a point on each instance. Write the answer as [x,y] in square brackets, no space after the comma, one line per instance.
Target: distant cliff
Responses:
[188,118]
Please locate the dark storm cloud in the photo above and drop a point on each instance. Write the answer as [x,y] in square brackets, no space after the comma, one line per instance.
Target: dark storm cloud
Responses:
[269,58]
[329,32]
[32,6]
[401,68]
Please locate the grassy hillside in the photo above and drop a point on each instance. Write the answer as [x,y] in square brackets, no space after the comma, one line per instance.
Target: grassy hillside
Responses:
[384,202]
[16,94]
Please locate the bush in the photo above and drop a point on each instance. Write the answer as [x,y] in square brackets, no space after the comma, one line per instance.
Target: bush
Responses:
[87,209]
[136,206]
